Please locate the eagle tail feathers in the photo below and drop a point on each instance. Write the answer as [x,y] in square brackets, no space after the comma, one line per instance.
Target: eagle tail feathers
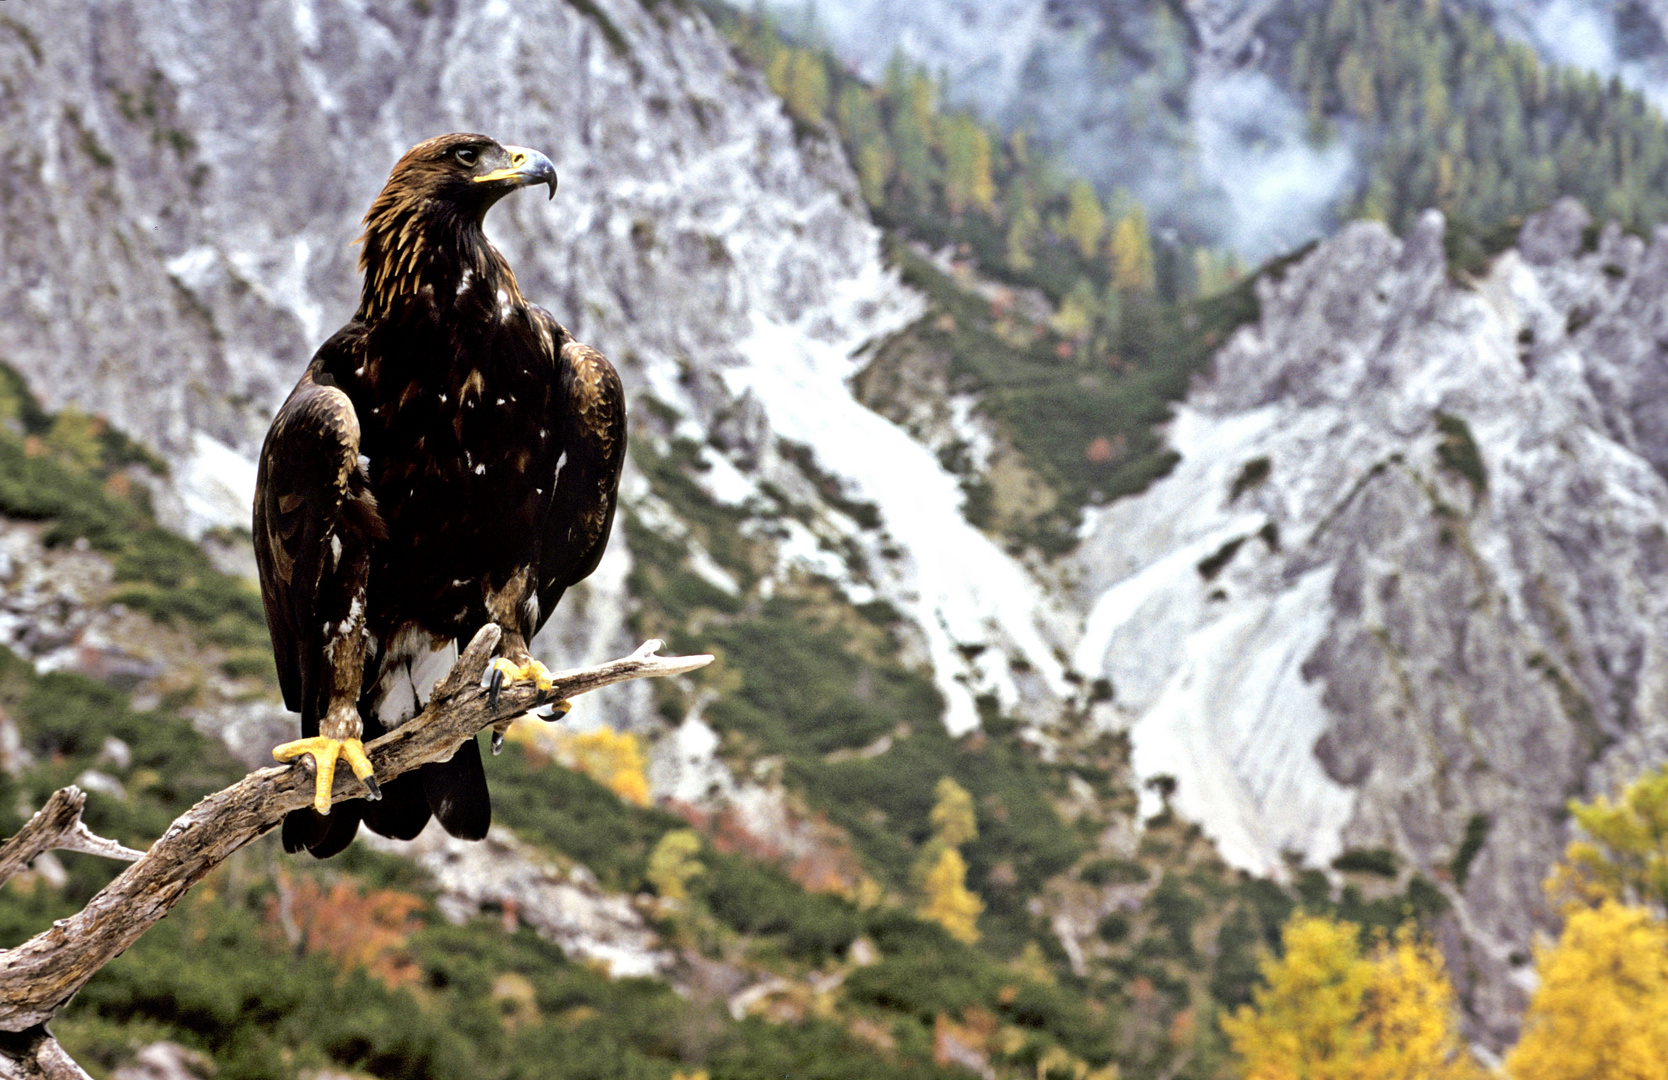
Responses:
[322,835]
[457,792]
[403,811]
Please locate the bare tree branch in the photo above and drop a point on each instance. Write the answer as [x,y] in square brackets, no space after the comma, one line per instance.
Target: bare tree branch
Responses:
[39,976]
[57,826]
[33,1054]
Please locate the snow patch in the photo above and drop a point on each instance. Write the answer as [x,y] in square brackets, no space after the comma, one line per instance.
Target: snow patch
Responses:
[952,580]
[216,486]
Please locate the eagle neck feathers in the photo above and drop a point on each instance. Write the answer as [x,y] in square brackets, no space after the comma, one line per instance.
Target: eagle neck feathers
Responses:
[424,252]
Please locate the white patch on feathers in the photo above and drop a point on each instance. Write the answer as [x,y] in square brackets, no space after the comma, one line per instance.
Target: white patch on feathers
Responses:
[410,668]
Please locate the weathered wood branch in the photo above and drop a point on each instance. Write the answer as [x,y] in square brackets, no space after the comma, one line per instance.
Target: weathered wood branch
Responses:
[34,1054]
[57,826]
[39,976]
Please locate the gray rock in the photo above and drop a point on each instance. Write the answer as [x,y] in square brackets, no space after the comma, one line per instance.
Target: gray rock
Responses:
[167,1061]
[1452,589]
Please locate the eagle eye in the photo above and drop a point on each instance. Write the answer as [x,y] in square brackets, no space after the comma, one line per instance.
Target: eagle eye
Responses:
[466,156]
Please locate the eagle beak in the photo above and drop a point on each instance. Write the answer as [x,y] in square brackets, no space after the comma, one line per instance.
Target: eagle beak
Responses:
[527,167]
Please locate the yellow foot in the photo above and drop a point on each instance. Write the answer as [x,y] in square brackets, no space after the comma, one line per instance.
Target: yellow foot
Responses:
[324,752]
[502,671]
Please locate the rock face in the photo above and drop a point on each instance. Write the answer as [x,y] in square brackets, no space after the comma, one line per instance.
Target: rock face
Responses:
[179,208]
[1411,571]
[562,904]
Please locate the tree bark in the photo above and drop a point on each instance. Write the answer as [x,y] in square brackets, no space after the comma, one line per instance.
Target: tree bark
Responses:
[57,826]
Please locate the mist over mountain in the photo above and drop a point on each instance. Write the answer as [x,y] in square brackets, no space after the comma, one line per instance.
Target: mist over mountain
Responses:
[1189,107]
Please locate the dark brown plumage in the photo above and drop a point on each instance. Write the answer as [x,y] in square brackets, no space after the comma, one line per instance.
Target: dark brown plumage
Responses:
[450,457]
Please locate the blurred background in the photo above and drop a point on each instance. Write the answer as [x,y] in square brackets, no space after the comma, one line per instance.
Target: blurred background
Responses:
[1176,491]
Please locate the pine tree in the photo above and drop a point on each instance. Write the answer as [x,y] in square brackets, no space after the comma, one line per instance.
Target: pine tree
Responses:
[1025,227]
[967,180]
[859,120]
[1085,220]
[1132,253]
[912,137]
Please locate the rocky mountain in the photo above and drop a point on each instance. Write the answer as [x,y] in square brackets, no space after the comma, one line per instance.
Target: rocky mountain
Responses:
[1402,588]
[176,250]
[1398,593]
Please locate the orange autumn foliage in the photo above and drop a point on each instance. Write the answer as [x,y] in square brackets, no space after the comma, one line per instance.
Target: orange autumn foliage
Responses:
[358,929]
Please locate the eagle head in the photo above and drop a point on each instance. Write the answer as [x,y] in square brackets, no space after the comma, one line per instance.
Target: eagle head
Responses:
[429,213]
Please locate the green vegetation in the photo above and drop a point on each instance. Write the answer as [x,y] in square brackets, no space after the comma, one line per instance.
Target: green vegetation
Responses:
[1470,846]
[222,976]
[1458,452]
[1379,861]
[1085,416]
[75,473]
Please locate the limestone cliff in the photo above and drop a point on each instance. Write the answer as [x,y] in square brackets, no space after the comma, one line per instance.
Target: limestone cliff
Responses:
[1408,580]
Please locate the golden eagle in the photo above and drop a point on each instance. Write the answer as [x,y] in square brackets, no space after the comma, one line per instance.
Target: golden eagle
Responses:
[450,457]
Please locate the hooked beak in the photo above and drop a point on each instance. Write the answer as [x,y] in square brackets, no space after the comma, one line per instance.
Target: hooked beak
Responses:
[527,167]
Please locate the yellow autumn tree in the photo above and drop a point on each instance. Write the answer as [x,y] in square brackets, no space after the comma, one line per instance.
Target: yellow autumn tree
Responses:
[953,820]
[800,79]
[1601,1010]
[1132,253]
[672,864]
[611,758]
[1329,1012]
[1085,220]
[1624,855]
[950,903]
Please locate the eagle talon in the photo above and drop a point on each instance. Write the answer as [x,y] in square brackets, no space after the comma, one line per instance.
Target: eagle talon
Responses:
[324,753]
[498,731]
[501,671]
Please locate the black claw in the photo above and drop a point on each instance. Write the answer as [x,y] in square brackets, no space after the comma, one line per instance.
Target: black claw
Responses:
[540,698]
[373,789]
[495,684]
[497,741]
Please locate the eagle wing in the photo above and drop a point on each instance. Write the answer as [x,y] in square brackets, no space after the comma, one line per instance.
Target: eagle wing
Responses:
[309,497]
[589,408]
